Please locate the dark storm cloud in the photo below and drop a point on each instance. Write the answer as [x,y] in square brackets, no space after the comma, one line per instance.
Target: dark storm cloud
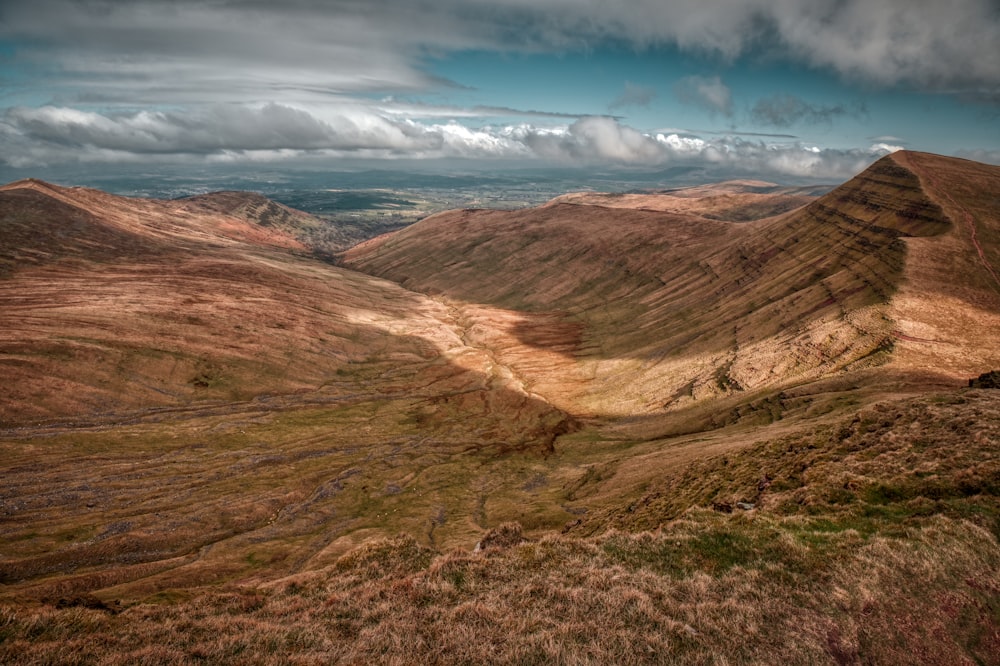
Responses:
[788,110]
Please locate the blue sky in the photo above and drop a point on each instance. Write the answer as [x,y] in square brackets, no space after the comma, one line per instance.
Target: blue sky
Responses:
[776,88]
[644,90]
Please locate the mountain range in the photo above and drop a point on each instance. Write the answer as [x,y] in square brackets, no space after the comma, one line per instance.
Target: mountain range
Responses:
[635,408]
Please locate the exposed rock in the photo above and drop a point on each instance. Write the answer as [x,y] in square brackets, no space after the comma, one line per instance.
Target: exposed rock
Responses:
[987,380]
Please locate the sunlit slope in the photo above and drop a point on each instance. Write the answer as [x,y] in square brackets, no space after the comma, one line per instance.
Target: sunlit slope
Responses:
[110,305]
[666,309]
[947,309]
[734,200]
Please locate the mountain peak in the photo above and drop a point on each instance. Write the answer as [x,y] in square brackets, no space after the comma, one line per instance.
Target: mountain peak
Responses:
[31,184]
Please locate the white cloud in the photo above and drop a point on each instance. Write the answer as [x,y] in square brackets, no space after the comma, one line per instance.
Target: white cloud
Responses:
[888,138]
[596,139]
[52,135]
[885,147]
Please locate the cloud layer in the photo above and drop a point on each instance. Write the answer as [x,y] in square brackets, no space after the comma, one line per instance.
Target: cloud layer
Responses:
[156,50]
[52,135]
[788,110]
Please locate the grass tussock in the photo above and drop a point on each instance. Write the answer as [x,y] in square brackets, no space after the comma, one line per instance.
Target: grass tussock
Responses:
[885,468]
[617,599]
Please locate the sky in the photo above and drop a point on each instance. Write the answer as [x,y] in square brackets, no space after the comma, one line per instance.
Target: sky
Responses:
[762,88]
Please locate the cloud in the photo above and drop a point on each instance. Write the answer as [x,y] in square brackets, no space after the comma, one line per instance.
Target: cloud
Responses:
[147,51]
[788,110]
[633,95]
[882,147]
[217,129]
[979,155]
[599,140]
[595,139]
[411,109]
[274,132]
[709,93]
[887,138]
[768,135]
[50,135]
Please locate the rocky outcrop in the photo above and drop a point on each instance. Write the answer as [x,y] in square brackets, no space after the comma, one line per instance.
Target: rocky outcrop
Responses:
[987,380]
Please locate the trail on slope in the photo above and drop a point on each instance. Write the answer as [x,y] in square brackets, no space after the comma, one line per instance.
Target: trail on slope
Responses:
[966,216]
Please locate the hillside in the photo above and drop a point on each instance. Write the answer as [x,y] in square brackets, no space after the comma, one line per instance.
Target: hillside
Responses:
[323,238]
[113,304]
[853,558]
[721,424]
[661,309]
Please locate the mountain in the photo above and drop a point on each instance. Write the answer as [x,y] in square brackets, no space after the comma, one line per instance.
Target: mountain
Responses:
[661,308]
[728,423]
[323,238]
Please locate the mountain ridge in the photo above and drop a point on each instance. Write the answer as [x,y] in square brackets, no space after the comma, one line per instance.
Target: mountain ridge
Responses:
[836,262]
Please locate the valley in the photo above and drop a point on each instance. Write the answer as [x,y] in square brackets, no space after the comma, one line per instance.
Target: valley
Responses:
[690,422]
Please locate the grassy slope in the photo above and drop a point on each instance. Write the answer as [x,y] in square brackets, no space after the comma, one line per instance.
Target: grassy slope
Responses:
[873,541]
[204,401]
[672,309]
[119,305]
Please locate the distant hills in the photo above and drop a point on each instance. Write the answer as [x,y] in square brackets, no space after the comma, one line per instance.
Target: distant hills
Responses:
[215,416]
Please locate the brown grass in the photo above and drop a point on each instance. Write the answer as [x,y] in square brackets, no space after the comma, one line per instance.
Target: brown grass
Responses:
[673,309]
[883,576]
